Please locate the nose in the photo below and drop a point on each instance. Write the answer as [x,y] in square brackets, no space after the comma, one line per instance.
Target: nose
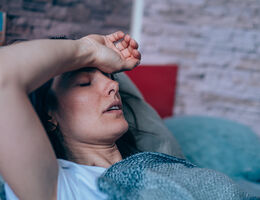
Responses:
[112,87]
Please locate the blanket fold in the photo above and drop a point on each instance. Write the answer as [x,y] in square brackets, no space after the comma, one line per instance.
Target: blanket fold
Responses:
[153,176]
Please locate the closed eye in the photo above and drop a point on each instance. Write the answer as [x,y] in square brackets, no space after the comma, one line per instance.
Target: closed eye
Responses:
[84,84]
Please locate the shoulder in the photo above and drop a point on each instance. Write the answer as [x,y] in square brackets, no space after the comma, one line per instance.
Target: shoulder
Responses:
[75,181]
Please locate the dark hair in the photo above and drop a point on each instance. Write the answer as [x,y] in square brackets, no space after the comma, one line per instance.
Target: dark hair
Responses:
[44,100]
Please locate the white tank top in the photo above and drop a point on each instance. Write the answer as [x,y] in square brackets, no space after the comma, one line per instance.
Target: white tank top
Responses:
[75,181]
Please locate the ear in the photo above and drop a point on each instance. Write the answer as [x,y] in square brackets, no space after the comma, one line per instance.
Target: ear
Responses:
[52,120]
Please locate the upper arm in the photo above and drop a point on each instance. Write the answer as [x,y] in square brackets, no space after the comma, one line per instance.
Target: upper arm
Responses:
[27,160]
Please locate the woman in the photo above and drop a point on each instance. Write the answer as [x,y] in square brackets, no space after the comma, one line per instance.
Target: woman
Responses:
[82,113]
[88,112]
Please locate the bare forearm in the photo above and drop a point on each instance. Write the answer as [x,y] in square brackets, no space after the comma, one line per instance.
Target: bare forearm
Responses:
[30,64]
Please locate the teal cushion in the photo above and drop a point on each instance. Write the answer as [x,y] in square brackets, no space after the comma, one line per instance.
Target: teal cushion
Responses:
[2,192]
[219,144]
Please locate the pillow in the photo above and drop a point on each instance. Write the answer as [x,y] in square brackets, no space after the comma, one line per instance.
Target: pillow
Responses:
[152,134]
[219,144]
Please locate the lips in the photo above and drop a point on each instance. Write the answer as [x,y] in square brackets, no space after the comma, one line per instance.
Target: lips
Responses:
[116,105]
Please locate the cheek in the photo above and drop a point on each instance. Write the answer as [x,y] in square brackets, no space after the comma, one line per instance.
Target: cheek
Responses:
[112,128]
[78,111]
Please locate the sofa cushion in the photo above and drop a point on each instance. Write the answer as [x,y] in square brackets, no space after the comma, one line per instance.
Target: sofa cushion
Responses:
[219,144]
[149,130]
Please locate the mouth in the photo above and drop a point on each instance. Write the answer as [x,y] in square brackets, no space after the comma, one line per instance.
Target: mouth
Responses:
[116,106]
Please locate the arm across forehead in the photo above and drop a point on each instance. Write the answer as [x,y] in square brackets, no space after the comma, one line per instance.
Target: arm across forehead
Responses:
[70,74]
[25,67]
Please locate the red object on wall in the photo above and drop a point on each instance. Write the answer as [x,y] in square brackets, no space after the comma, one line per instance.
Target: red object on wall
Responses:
[157,83]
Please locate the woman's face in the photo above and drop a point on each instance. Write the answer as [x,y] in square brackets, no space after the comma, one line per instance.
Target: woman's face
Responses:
[89,107]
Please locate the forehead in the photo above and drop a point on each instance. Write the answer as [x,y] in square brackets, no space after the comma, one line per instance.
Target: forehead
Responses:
[71,74]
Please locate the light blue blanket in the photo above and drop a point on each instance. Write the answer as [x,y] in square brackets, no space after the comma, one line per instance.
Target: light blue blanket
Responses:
[153,176]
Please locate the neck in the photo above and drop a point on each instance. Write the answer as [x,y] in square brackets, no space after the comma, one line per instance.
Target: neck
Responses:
[95,155]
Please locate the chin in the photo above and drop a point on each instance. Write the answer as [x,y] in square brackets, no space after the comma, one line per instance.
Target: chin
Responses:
[120,129]
[123,127]
[126,126]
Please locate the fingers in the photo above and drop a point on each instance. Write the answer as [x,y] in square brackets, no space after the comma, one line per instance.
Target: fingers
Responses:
[122,45]
[126,42]
[131,64]
[132,60]
[133,44]
[131,52]
[114,37]
[126,52]
[127,48]
[136,54]
[127,38]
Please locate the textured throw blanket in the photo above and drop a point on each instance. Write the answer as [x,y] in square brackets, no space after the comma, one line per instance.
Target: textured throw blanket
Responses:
[153,176]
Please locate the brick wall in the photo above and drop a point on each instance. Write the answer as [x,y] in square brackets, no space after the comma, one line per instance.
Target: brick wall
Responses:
[30,19]
[217,46]
[215,43]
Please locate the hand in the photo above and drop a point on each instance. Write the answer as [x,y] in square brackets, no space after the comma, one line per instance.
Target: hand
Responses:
[114,53]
